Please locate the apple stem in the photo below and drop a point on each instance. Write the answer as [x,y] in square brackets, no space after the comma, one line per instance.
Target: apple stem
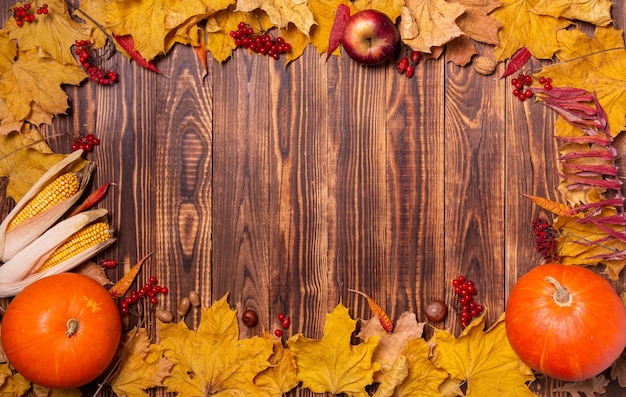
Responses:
[72,327]
[561,296]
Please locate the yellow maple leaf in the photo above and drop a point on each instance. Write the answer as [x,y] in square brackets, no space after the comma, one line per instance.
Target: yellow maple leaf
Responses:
[54,33]
[574,43]
[390,344]
[522,27]
[38,99]
[24,158]
[151,23]
[13,384]
[429,23]
[597,12]
[280,377]
[484,360]
[141,367]
[392,8]
[396,374]
[282,12]
[212,359]
[424,379]
[332,364]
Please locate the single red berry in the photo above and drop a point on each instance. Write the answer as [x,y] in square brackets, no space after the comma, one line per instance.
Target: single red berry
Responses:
[278,333]
[281,316]
[410,70]
[152,280]
[286,322]
[415,57]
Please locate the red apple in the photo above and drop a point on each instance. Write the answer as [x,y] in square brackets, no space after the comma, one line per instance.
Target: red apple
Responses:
[370,37]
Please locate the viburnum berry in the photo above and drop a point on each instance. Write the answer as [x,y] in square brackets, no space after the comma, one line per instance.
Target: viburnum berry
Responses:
[545,240]
[468,309]
[86,58]
[149,291]
[85,143]
[24,13]
[523,80]
[261,43]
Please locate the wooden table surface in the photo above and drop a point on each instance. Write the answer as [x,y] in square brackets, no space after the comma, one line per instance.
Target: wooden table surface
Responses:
[285,186]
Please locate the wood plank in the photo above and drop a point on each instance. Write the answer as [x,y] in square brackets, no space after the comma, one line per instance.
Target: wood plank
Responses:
[475,185]
[241,182]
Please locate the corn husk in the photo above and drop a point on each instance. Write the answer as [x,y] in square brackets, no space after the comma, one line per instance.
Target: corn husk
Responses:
[14,240]
[20,271]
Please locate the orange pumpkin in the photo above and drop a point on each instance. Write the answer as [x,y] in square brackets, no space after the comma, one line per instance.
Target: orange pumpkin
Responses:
[62,331]
[566,322]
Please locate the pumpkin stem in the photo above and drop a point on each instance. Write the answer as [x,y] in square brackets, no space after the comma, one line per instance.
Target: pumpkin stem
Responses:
[561,296]
[72,327]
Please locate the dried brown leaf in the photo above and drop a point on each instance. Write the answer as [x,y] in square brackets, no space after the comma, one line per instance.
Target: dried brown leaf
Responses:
[587,388]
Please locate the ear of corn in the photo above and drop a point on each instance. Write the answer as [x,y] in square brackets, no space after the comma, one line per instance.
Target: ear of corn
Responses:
[28,260]
[85,238]
[62,188]
[13,239]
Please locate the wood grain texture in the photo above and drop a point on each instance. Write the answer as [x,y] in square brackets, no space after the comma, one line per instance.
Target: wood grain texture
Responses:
[284,186]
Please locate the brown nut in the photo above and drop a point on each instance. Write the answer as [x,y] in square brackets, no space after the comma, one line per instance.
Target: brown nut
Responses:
[165,316]
[183,306]
[194,298]
[484,65]
[436,311]
[249,318]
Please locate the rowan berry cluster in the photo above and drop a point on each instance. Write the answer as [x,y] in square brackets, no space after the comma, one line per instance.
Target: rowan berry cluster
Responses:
[407,64]
[465,291]
[25,13]
[84,52]
[545,240]
[261,43]
[86,143]
[149,291]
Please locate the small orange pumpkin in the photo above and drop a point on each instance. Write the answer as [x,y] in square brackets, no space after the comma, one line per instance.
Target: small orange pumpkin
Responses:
[62,331]
[565,321]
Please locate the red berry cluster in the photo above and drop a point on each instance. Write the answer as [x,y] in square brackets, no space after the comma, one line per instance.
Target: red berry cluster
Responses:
[86,143]
[519,82]
[149,291]
[407,64]
[285,323]
[84,54]
[546,82]
[261,43]
[545,240]
[25,13]
[465,291]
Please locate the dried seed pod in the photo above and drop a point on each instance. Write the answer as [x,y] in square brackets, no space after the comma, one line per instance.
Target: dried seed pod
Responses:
[194,298]
[183,306]
[165,316]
